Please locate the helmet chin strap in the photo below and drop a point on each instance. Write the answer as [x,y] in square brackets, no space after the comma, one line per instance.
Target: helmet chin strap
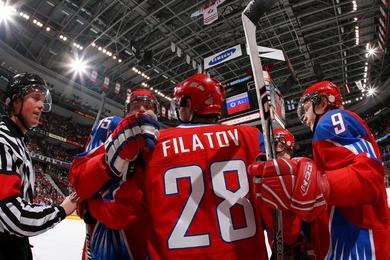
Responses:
[22,119]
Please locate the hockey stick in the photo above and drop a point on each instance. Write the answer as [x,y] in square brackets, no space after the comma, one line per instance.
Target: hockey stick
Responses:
[250,16]
[88,236]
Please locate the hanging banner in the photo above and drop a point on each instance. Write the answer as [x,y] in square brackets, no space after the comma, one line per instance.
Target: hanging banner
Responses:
[209,12]
[93,76]
[178,52]
[173,47]
[359,85]
[106,82]
[128,96]
[117,89]
[222,56]
[163,111]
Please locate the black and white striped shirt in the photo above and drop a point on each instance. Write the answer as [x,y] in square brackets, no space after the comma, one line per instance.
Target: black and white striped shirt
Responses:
[18,215]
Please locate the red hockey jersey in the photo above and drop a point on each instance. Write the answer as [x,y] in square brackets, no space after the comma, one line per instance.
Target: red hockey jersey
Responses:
[357,224]
[119,233]
[197,193]
[196,190]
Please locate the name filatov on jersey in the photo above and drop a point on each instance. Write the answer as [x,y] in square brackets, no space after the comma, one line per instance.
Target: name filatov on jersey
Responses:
[198,142]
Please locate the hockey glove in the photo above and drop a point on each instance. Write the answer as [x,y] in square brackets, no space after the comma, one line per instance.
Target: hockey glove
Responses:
[294,185]
[134,134]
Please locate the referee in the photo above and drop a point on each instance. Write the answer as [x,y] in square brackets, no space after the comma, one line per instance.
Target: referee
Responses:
[27,97]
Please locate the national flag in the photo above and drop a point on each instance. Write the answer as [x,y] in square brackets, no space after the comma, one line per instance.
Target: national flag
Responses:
[106,83]
[237,103]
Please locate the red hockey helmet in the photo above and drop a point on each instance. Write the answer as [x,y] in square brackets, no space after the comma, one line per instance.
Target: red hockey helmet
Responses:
[318,90]
[285,137]
[142,95]
[206,94]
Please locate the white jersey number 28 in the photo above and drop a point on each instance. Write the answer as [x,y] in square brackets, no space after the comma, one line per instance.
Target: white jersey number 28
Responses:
[178,237]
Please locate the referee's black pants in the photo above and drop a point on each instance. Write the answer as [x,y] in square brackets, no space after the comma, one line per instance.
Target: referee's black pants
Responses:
[14,248]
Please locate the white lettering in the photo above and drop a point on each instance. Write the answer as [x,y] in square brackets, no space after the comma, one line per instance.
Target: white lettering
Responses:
[165,147]
[209,138]
[223,134]
[175,146]
[234,136]
[182,148]
[196,143]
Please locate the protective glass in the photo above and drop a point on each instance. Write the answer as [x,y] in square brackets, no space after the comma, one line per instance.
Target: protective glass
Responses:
[279,139]
[39,92]
[147,102]
[313,97]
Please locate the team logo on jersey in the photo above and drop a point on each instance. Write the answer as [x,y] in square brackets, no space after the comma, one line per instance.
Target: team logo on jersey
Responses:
[306,178]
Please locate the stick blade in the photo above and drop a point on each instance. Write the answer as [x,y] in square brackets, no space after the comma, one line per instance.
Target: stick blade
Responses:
[256,9]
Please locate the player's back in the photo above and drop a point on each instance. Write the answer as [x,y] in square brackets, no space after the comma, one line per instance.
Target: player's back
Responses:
[339,137]
[197,192]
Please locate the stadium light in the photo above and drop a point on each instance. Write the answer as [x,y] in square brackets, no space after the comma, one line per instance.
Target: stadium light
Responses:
[371,51]
[78,66]
[6,12]
[371,91]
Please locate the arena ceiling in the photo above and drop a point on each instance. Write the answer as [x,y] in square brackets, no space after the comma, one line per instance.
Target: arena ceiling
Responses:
[318,36]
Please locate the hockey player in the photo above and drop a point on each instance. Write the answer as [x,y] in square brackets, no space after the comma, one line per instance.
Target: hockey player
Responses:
[196,185]
[114,235]
[197,182]
[27,96]
[342,191]
[295,245]
[284,143]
